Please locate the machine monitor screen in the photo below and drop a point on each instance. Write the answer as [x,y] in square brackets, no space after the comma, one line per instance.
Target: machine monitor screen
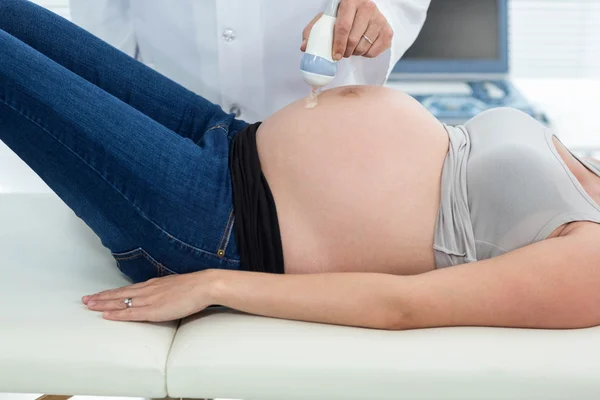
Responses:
[460,36]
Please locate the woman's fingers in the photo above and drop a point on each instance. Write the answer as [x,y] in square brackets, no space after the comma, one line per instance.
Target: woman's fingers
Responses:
[343,27]
[118,304]
[359,27]
[120,293]
[160,299]
[125,291]
[132,314]
[104,305]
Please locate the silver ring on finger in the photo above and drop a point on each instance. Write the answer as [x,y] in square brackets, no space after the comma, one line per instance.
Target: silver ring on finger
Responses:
[368,39]
[128,302]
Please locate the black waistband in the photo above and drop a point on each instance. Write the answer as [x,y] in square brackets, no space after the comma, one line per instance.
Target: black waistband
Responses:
[257,227]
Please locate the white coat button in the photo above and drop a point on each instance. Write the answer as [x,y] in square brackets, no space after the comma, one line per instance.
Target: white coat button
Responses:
[229,35]
[235,110]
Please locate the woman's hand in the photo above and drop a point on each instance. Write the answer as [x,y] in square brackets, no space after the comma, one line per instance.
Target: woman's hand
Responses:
[361,30]
[162,299]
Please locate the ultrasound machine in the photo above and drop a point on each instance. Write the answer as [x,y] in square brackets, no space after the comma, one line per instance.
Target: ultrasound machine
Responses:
[459,65]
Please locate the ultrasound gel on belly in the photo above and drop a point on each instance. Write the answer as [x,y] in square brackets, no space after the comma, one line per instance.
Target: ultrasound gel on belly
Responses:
[313,98]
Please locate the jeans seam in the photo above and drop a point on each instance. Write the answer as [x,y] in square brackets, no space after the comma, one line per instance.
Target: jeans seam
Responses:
[213,128]
[229,234]
[226,230]
[138,255]
[141,213]
[160,268]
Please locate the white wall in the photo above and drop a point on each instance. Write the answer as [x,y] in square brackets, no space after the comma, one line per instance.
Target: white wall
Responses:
[548,38]
[58,6]
[555,38]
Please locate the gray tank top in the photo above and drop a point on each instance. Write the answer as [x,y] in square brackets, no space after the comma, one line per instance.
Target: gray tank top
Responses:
[504,186]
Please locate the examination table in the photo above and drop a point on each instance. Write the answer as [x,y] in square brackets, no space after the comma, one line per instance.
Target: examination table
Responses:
[50,343]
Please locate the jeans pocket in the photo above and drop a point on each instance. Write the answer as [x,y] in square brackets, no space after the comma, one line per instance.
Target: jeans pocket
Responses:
[139,266]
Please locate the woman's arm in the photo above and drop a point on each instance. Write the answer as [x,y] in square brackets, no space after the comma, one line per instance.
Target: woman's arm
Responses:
[551,284]
[354,299]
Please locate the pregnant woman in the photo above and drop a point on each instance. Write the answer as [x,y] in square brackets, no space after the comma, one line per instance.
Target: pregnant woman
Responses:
[365,211]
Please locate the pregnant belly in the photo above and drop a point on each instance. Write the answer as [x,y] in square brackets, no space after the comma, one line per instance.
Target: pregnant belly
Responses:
[356,181]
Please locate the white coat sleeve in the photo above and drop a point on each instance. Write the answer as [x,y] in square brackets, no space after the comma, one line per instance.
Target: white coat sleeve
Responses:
[406,18]
[110,20]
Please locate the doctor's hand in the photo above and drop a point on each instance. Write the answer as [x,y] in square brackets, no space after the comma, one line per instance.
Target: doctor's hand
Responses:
[361,30]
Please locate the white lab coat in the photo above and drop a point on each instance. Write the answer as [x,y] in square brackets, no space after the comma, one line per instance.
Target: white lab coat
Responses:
[241,54]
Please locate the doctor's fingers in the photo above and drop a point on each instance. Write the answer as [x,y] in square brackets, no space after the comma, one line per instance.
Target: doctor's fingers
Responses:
[370,37]
[363,19]
[307,31]
[343,26]
[383,42]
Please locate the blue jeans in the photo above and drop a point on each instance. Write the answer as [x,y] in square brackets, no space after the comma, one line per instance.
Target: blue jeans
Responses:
[141,160]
